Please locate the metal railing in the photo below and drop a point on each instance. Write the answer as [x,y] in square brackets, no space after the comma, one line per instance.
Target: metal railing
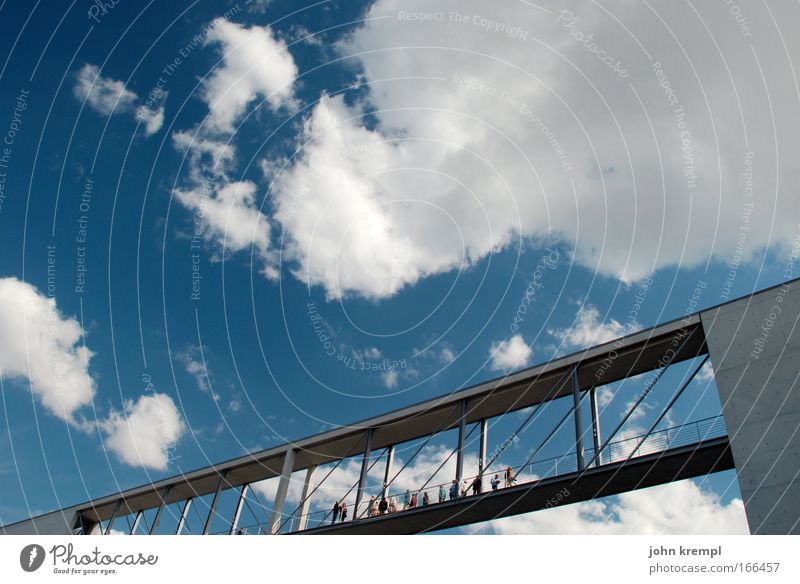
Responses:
[659,441]
[620,450]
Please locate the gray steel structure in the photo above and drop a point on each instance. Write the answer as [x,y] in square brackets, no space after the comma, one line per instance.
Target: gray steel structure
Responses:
[760,403]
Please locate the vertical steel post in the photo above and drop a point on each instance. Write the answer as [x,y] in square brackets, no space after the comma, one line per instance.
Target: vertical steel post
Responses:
[113,516]
[576,409]
[462,427]
[283,490]
[184,513]
[387,472]
[595,424]
[239,505]
[306,499]
[136,521]
[362,480]
[213,509]
[482,452]
[160,510]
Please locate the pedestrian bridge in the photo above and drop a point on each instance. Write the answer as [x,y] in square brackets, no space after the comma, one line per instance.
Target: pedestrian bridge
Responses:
[755,434]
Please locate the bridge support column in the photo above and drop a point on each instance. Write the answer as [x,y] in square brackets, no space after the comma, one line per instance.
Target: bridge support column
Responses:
[239,505]
[362,479]
[157,518]
[306,499]
[184,514]
[482,452]
[136,521]
[283,490]
[754,345]
[576,410]
[462,432]
[213,509]
[387,472]
[596,437]
[113,517]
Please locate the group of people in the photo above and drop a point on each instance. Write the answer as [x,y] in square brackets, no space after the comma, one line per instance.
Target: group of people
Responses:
[383,505]
[339,510]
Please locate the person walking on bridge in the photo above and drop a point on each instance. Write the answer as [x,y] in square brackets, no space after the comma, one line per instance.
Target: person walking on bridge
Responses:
[476,485]
[336,509]
[442,494]
[509,477]
[344,511]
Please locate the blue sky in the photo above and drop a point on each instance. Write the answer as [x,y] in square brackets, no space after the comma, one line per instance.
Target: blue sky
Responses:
[225,226]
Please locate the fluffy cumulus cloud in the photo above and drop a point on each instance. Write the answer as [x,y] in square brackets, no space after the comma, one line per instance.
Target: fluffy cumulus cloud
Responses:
[254,63]
[44,347]
[151,113]
[230,216]
[509,354]
[498,122]
[357,222]
[144,433]
[591,328]
[109,96]
[207,157]
[680,508]
[40,344]
[103,94]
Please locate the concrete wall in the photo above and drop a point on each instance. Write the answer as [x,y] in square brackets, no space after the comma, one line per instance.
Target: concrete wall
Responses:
[755,351]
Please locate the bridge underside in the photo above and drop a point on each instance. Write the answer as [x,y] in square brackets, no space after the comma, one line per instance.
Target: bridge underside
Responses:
[706,457]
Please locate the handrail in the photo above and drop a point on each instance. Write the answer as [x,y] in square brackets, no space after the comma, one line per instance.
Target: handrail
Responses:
[613,452]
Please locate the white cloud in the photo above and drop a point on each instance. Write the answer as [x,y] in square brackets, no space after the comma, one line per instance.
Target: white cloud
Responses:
[41,345]
[604,395]
[194,364]
[447,355]
[153,119]
[230,217]
[109,96]
[356,225]
[372,353]
[103,94]
[706,372]
[511,353]
[144,433]
[259,6]
[38,343]
[254,63]
[390,378]
[680,508]
[590,328]
[467,148]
